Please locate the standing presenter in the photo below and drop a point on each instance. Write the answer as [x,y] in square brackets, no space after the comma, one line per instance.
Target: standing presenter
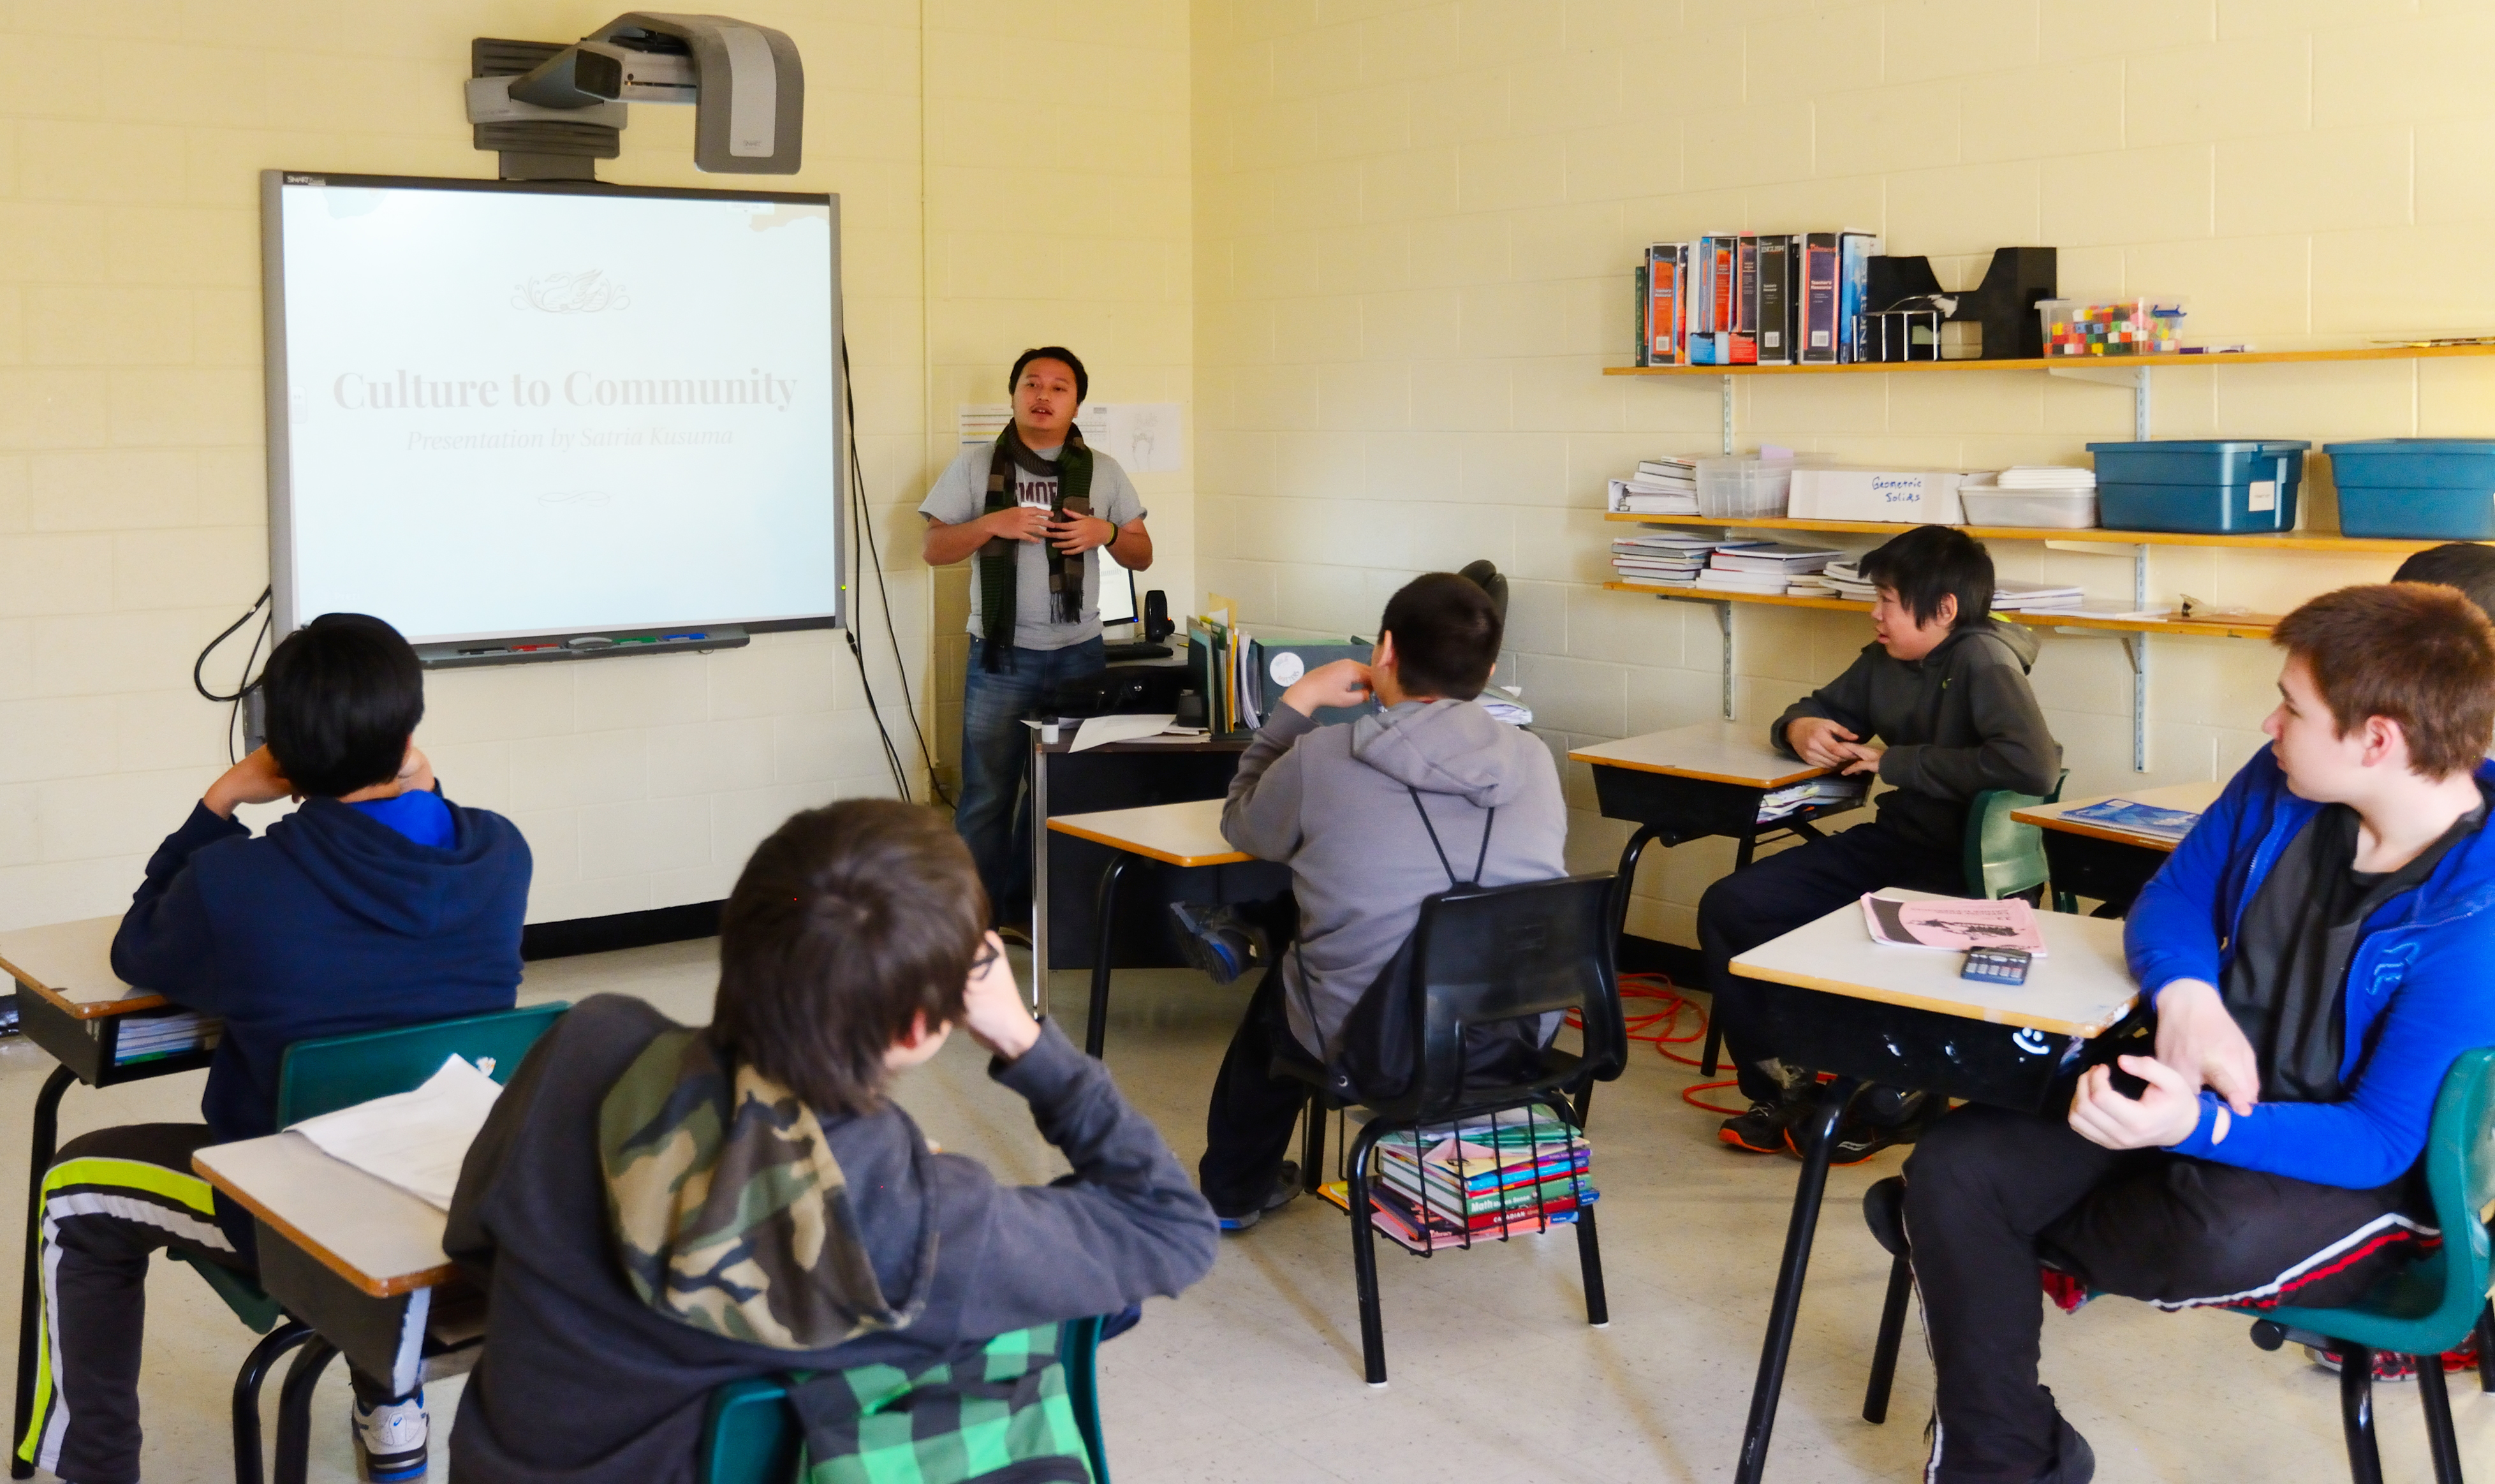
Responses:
[1029,510]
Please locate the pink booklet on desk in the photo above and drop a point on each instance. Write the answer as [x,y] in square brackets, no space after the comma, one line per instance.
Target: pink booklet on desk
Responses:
[1956,923]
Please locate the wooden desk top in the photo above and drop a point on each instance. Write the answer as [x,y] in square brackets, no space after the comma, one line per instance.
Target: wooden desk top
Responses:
[71,965]
[2080,987]
[1719,752]
[2197,797]
[1186,834]
[366,1230]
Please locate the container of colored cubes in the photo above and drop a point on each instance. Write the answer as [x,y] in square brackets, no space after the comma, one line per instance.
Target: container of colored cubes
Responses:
[2134,326]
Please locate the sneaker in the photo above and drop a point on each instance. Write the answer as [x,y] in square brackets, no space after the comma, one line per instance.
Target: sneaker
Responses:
[1854,1142]
[2388,1367]
[1286,1188]
[2074,1461]
[390,1440]
[1219,941]
[1766,1129]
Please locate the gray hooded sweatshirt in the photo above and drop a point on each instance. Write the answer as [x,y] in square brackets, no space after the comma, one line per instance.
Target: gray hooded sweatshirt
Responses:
[1333,804]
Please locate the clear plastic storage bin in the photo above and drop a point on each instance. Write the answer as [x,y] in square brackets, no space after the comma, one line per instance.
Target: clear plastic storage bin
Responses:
[1743,489]
[2056,509]
[2132,326]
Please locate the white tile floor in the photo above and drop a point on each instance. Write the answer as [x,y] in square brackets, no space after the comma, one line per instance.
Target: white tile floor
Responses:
[1254,1374]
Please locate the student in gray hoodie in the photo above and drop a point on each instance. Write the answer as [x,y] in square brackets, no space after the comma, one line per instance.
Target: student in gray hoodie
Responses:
[1371,816]
[1943,688]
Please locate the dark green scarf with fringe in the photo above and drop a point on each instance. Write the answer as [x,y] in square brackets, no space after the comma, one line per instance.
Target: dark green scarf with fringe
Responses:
[999,559]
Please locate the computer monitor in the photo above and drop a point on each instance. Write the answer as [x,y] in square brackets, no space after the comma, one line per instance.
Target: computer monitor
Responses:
[1117,593]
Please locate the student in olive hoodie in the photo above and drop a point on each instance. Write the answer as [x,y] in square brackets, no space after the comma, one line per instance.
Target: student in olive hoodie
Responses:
[376,904]
[1371,816]
[1943,688]
[655,1211]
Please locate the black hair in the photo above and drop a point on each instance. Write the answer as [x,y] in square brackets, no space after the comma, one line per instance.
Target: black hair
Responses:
[1929,563]
[1082,378]
[1447,636]
[2464,565]
[344,693]
[849,923]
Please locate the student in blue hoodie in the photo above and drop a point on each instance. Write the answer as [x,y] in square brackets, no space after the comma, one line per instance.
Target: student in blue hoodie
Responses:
[2316,951]
[376,904]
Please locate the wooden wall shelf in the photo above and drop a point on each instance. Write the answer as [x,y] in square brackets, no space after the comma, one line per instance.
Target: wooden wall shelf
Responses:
[2283,541]
[2250,629]
[2076,362]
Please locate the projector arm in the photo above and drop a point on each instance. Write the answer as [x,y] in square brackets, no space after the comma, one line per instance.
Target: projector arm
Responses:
[745,83]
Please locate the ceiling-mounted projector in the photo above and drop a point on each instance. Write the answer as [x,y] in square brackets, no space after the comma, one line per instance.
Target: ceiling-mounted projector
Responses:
[551,109]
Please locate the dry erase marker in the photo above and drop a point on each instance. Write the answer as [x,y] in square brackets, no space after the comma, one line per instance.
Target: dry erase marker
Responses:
[673,636]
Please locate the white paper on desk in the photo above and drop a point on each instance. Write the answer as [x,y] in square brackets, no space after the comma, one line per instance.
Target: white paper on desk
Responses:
[414,1140]
[1097,729]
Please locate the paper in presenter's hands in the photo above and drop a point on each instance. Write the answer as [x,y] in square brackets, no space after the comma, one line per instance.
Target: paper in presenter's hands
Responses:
[414,1140]
[1954,923]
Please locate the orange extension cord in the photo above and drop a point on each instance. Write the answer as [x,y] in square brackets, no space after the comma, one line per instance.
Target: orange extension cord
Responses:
[1660,1028]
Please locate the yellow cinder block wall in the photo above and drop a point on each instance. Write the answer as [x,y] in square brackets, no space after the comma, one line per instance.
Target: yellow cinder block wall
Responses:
[1415,225]
[132,482]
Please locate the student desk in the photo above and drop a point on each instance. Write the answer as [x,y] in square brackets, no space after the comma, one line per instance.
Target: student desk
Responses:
[71,1004]
[1187,834]
[1120,775]
[354,1257]
[1693,782]
[2104,861]
[1831,997]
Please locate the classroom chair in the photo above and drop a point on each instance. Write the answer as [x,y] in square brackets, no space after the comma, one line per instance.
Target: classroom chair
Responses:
[2421,1309]
[1484,955]
[752,1435]
[2003,857]
[322,1076]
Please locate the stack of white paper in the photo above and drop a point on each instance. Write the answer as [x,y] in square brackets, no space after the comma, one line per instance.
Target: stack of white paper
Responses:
[416,1140]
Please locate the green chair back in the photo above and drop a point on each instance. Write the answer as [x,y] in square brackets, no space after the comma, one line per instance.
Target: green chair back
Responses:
[2004,856]
[750,1435]
[339,1072]
[2429,1306]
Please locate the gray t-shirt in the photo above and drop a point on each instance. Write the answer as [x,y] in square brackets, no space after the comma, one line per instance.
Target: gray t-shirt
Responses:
[961,494]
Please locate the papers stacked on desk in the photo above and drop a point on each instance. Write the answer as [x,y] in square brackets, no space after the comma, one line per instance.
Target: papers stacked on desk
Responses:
[416,1140]
[2137,819]
[1518,1171]
[1953,924]
[153,1035]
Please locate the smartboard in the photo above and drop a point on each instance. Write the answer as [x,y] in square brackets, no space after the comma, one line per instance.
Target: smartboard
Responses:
[501,409]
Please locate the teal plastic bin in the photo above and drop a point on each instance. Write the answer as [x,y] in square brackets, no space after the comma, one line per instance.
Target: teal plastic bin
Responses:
[2220,486]
[2415,488]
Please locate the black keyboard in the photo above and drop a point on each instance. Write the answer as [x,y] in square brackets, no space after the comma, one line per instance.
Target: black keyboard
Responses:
[1123,651]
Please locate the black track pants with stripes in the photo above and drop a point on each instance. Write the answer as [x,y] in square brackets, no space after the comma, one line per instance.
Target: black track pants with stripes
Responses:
[1990,1192]
[111,1199]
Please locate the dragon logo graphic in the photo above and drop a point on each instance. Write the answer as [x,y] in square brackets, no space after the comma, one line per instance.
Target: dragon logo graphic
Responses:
[588,291]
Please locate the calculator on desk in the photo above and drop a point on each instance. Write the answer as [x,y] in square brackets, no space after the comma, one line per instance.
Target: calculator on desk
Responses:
[1995,965]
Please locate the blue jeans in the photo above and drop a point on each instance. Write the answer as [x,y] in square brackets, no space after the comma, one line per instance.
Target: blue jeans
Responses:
[996,757]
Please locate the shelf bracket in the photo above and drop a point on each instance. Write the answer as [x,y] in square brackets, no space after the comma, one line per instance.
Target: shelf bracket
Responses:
[1724,629]
[2134,378]
[1728,426]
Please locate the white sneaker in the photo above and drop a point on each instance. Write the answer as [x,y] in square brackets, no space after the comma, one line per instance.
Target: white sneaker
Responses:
[390,1440]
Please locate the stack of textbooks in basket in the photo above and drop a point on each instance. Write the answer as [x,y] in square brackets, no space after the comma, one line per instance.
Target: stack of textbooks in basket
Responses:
[1446,1185]
[1768,567]
[151,1036]
[1661,486]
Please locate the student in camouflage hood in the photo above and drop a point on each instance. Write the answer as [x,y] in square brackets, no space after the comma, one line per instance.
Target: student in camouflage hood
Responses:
[655,1211]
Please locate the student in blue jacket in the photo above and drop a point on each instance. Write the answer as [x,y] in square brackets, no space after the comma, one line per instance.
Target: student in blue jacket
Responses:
[2316,951]
[376,904]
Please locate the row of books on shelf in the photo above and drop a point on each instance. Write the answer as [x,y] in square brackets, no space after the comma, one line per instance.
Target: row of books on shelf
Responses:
[150,1037]
[1741,298]
[1745,565]
[1521,1170]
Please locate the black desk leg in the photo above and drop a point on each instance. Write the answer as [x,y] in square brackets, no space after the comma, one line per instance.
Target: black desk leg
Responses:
[295,1408]
[30,1297]
[1834,1100]
[1095,1032]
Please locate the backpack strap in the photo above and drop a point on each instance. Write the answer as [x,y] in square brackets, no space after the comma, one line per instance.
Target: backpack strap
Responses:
[1480,860]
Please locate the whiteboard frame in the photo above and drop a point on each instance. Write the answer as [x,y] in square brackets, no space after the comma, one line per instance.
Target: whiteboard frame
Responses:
[281,522]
